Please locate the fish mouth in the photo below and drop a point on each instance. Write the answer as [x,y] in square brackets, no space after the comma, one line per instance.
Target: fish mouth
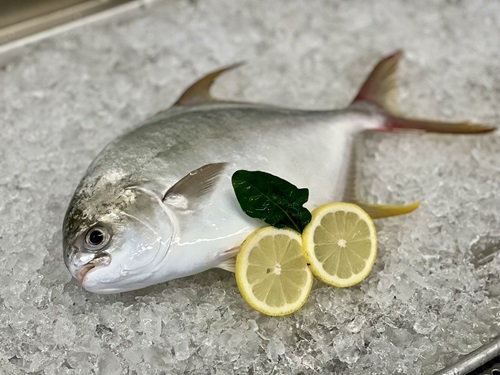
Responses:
[101,260]
[80,274]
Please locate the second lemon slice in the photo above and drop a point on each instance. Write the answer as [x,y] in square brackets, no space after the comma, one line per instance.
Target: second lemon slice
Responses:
[340,243]
[272,273]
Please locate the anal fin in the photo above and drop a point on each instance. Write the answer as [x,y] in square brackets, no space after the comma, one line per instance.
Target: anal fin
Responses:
[378,211]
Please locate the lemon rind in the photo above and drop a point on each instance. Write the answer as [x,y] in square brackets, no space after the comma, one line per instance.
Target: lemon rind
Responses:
[245,287]
[308,245]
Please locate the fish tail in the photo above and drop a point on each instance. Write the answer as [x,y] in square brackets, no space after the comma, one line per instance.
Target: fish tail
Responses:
[380,89]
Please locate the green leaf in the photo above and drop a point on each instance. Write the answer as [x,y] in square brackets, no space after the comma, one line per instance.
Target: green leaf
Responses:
[277,202]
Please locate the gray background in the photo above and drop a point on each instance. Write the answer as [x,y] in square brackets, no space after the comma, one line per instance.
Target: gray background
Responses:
[428,299]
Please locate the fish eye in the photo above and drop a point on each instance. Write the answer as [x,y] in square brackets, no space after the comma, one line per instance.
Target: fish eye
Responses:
[97,238]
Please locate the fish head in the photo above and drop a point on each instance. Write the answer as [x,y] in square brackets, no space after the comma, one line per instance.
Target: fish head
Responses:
[117,240]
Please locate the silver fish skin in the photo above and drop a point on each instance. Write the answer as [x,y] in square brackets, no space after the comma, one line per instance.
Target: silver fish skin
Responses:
[157,203]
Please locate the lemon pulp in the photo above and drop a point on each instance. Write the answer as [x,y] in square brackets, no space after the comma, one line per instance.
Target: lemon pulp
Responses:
[340,243]
[272,273]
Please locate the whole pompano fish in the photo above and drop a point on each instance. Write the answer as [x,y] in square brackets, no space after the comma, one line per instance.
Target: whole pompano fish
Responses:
[158,204]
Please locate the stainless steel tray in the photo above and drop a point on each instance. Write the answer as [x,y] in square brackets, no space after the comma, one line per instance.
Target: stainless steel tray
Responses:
[34,22]
[487,354]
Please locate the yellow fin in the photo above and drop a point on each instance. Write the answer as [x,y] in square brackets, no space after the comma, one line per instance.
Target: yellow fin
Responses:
[199,92]
[380,90]
[464,127]
[377,211]
[380,86]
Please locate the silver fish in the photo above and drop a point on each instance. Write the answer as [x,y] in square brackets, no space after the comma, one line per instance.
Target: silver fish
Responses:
[157,203]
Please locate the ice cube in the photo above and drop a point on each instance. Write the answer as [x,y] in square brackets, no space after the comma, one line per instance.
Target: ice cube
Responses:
[274,349]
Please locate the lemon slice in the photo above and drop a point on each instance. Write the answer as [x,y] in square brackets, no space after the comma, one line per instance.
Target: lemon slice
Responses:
[340,243]
[272,273]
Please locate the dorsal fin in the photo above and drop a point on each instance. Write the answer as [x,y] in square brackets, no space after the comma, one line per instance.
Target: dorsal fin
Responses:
[380,86]
[199,92]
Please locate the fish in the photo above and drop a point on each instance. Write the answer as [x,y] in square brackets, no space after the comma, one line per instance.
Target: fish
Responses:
[157,203]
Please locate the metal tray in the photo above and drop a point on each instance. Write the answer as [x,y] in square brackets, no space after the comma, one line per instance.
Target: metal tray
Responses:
[31,21]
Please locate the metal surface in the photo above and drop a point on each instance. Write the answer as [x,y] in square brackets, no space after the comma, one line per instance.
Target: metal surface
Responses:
[490,368]
[15,11]
[24,18]
[9,51]
[474,360]
[31,25]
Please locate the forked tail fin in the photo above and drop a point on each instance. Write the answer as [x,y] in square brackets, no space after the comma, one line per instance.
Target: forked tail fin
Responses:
[381,85]
[380,89]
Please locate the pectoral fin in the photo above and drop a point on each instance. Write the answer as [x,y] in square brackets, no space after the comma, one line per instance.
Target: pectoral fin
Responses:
[376,211]
[187,193]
